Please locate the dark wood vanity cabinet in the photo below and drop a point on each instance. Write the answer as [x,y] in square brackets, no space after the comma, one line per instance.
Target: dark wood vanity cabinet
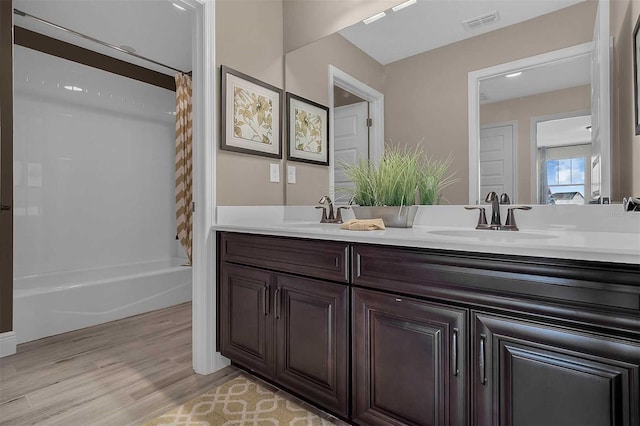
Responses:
[246,320]
[527,373]
[290,329]
[312,342]
[409,361]
[435,337]
[550,342]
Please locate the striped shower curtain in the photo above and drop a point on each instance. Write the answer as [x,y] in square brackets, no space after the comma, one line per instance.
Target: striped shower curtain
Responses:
[184,179]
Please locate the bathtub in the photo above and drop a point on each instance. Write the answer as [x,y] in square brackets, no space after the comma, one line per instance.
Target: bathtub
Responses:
[55,303]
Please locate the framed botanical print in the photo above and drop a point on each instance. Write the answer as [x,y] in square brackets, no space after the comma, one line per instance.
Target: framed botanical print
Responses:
[250,115]
[307,131]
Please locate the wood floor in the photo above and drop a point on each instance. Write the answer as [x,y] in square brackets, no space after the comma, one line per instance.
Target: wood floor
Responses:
[120,373]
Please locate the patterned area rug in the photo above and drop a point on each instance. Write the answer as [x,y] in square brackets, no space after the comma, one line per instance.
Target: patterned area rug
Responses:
[240,401]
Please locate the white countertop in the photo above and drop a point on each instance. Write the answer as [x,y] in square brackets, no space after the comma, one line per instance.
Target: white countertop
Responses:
[555,242]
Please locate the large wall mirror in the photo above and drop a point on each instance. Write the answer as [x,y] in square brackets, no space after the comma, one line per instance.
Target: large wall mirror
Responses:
[419,58]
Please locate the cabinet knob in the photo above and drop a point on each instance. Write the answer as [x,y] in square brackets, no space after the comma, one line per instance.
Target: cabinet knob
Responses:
[5,207]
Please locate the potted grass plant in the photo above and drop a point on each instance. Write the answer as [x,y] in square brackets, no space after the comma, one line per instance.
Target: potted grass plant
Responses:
[392,188]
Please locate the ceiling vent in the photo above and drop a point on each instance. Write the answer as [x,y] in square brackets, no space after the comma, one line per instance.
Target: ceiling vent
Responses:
[488,18]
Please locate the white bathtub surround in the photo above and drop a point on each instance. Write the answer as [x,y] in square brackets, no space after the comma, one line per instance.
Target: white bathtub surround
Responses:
[94,197]
[49,304]
[596,233]
[93,167]
[8,343]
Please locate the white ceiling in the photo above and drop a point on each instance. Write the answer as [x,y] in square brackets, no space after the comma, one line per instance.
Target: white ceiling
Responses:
[430,24]
[566,131]
[541,79]
[155,28]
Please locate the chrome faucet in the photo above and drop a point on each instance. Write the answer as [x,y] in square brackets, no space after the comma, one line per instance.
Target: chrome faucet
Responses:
[326,200]
[496,223]
[492,198]
[330,218]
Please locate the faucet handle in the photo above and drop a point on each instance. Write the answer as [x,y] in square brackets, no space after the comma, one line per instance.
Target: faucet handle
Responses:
[504,198]
[510,224]
[324,214]
[482,217]
[631,204]
[339,213]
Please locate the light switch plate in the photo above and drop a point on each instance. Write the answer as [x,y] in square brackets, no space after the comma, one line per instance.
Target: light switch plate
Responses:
[291,174]
[274,172]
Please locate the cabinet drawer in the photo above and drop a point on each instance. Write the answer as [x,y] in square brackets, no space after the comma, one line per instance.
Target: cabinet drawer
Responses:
[542,286]
[317,259]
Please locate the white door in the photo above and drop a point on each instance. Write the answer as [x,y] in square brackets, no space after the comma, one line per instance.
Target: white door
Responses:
[497,161]
[600,105]
[351,138]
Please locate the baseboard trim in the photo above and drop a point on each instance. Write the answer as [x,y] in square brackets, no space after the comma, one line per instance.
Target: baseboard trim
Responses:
[8,343]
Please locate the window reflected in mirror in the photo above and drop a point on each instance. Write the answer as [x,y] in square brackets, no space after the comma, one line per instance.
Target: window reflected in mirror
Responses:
[563,158]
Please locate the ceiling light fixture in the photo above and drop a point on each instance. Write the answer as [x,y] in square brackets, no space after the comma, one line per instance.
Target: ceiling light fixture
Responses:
[374,18]
[403,5]
[73,88]
[177,6]
[515,74]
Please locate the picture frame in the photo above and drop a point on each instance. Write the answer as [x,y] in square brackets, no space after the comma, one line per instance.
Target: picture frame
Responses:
[251,115]
[307,131]
[636,74]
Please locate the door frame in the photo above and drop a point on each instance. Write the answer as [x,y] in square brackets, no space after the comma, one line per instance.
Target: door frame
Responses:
[343,80]
[474,79]
[205,357]
[533,146]
[7,335]
[514,154]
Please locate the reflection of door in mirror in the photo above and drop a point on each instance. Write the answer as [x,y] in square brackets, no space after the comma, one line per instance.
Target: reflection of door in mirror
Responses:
[498,152]
[563,158]
[557,87]
[351,137]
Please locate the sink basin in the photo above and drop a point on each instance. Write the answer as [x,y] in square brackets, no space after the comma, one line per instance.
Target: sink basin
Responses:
[489,235]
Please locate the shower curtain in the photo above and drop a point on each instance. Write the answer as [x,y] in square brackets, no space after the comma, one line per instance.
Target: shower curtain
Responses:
[184,179]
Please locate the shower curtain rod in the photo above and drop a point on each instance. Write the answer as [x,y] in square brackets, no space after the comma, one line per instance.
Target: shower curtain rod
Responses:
[95,40]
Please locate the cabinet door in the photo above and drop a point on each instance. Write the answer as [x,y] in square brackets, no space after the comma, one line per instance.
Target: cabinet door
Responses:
[409,361]
[526,373]
[246,327]
[312,336]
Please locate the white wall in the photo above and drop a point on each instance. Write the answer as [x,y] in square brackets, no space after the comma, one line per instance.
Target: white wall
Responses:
[93,169]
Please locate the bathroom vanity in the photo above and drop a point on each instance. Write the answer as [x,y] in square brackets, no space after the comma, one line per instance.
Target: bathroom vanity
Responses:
[388,335]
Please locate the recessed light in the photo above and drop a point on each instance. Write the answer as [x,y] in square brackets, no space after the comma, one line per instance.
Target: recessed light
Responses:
[73,88]
[374,18]
[515,74]
[403,5]
[177,6]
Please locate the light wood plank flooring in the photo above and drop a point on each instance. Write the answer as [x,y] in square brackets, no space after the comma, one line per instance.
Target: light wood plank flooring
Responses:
[120,373]
[124,372]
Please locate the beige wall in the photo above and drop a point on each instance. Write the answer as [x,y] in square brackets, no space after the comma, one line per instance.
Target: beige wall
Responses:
[626,145]
[310,20]
[426,95]
[522,110]
[307,75]
[249,38]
